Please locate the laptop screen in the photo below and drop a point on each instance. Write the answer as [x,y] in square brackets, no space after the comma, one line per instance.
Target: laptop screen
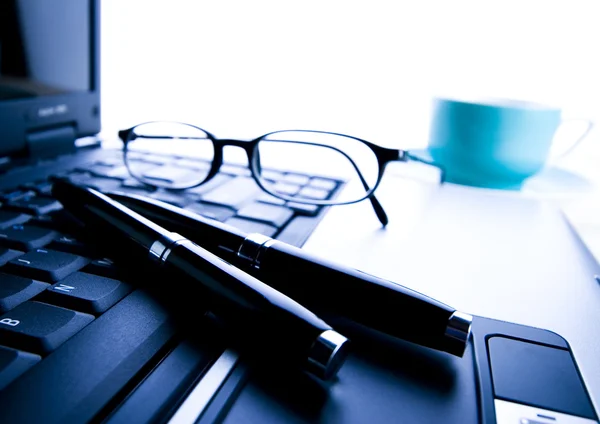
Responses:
[49,60]
[44,48]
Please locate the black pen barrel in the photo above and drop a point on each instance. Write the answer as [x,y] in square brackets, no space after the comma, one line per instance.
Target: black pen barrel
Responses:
[332,288]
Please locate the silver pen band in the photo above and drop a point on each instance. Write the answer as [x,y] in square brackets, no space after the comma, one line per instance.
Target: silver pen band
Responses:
[161,248]
[253,248]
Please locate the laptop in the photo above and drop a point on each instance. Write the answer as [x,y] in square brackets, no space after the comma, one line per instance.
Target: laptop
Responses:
[108,352]
[75,337]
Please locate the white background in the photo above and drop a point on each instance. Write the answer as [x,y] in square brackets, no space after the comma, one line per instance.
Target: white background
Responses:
[367,68]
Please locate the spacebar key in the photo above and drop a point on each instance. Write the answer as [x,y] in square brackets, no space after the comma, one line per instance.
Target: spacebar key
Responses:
[78,379]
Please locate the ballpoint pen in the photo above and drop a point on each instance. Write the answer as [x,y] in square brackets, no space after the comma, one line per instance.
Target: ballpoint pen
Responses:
[256,310]
[328,288]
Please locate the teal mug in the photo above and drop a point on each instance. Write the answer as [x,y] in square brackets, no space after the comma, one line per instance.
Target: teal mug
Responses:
[496,143]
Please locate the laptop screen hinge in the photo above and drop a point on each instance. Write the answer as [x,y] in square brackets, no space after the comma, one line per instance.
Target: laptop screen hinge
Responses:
[51,142]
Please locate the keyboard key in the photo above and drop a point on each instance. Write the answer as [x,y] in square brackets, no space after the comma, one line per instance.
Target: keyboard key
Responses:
[13,363]
[192,164]
[219,213]
[132,183]
[84,292]
[172,197]
[15,290]
[322,183]
[139,190]
[97,183]
[46,265]
[34,205]
[71,245]
[233,193]
[273,176]
[275,215]
[101,170]
[10,195]
[105,268]
[61,221]
[252,226]
[154,159]
[240,171]
[298,179]
[139,157]
[43,187]
[304,209]
[270,199]
[44,221]
[133,186]
[313,193]
[171,174]
[26,237]
[9,218]
[40,328]
[215,182]
[297,231]
[285,188]
[8,254]
[111,161]
[140,167]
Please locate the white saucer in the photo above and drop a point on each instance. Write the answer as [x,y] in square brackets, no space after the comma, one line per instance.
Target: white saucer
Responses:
[552,182]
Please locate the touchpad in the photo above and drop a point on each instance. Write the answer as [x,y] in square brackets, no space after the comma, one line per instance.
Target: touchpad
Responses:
[537,375]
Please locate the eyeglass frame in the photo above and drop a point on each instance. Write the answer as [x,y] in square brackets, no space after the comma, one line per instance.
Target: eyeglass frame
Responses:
[383,156]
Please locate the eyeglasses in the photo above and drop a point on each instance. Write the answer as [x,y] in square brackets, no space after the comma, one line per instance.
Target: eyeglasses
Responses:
[315,164]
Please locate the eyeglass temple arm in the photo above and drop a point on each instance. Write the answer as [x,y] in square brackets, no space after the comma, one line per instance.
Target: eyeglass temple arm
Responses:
[409,156]
[379,211]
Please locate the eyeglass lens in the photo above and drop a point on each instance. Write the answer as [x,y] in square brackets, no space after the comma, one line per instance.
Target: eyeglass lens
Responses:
[317,158]
[189,153]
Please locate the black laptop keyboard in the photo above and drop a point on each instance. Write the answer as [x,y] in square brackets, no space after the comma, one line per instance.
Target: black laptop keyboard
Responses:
[52,285]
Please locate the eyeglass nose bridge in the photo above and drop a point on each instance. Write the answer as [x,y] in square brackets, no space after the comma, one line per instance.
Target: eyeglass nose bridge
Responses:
[249,146]
[244,144]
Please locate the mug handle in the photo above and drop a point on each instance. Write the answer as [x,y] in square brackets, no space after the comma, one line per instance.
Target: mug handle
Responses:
[577,142]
